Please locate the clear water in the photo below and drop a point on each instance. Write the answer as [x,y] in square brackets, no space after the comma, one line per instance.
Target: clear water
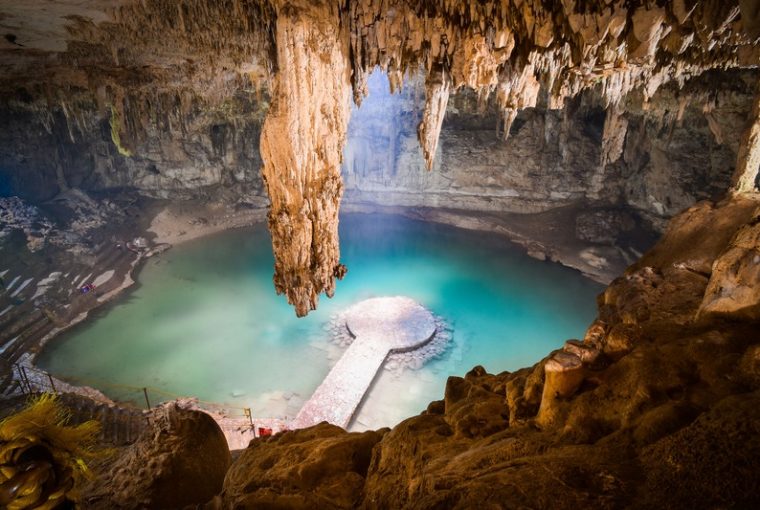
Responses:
[205,320]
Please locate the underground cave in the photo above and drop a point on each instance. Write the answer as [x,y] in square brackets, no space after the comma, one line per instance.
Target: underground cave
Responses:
[379,254]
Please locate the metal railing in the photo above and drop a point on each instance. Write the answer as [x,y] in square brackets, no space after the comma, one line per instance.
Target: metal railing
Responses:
[31,380]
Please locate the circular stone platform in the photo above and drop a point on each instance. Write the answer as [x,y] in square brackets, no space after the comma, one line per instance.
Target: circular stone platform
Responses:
[399,322]
[380,326]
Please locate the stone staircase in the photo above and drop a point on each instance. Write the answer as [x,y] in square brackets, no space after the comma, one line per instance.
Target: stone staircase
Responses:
[24,322]
[120,426]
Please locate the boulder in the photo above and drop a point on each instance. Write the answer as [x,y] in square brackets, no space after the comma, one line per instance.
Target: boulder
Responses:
[318,467]
[179,460]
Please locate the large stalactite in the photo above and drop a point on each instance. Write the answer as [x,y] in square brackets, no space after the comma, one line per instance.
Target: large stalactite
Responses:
[302,145]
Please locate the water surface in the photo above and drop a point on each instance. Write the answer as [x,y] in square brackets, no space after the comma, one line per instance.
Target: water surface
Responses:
[205,320]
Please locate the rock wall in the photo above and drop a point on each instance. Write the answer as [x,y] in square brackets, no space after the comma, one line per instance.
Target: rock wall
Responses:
[653,159]
[172,145]
[678,148]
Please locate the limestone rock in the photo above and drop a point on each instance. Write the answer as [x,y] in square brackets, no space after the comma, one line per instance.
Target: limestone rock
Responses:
[602,226]
[585,352]
[563,374]
[621,340]
[707,226]
[595,334]
[734,286]
[180,459]
[437,90]
[748,158]
[301,145]
[319,467]
[676,469]
[749,367]
[472,410]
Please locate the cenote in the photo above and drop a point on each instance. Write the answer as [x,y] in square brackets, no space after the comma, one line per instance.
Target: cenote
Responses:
[205,321]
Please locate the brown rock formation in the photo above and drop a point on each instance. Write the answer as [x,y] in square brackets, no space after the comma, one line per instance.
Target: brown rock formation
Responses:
[748,158]
[320,467]
[302,145]
[734,286]
[563,374]
[179,460]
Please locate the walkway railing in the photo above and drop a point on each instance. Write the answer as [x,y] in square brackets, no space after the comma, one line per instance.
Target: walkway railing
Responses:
[30,380]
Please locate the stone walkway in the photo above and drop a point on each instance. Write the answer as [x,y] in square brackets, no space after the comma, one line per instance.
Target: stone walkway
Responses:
[380,326]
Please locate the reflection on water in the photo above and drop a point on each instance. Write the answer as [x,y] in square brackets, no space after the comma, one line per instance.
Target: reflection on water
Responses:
[205,320]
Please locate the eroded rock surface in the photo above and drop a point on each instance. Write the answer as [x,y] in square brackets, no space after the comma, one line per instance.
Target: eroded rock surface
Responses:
[180,459]
[302,148]
[320,467]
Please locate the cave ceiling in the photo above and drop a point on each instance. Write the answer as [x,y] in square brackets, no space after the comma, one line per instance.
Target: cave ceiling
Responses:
[309,60]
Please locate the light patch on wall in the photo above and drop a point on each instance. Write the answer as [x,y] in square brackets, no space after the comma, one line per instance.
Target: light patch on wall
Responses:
[378,128]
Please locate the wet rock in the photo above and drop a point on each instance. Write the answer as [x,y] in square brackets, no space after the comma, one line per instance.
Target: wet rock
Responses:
[603,226]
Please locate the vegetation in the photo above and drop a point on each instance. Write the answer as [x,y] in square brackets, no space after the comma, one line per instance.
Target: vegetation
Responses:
[42,458]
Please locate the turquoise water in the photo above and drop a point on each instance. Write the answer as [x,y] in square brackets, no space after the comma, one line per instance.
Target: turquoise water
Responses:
[205,320]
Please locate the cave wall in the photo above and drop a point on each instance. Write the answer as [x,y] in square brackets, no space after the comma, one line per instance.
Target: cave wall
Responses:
[183,146]
[656,159]
[167,145]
